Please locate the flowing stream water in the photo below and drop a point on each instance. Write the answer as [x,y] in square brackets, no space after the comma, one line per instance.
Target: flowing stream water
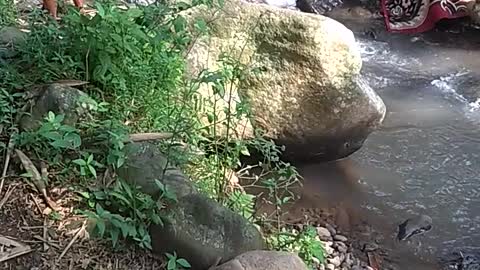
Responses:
[427,158]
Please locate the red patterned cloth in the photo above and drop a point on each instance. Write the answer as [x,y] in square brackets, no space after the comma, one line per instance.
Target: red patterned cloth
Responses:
[415,16]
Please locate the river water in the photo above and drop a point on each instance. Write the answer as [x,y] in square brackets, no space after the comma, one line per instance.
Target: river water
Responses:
[427,158]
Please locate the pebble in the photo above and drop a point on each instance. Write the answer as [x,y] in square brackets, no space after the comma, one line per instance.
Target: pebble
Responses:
[340,237]
[370,247]
[330,266]
[336,261]
[331,229]
[324,233]
[341,247]
[328,249]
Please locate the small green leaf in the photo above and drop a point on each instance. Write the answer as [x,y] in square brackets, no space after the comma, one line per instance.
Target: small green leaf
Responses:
[59,144]
[90,159]
[245,151]
[201,25]
[80,162]
[100,9]
[183,263]
[92,170]
[52,135]
[100,226]
[172,264]
[114,235]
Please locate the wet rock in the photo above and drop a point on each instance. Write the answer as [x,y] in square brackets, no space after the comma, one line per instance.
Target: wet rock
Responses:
[309,96]
[368,247]
[318,6]
[465,259]
[331,229]
[341,247]
[414,226]
[10,38]
[145,163]
[264,260]
[340,237]
[324,233]
[57,98]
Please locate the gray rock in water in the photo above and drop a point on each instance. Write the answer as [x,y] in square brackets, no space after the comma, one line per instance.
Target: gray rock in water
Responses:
[462,259]
[197,228]
[57,98]
[318,6]
[264,260]
[10,38]
[414,226]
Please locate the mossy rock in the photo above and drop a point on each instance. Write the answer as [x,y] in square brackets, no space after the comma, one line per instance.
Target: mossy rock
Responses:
[203,231]
[57,98]
[309,95]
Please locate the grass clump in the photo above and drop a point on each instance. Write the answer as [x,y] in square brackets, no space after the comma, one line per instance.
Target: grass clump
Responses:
[134,60]
[8,13]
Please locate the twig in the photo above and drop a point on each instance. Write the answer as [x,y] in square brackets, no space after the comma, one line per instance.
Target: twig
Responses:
[140,137]
[17,251]
[36,177]
[11,145]
[44,241]
[79,232]
[7,195]
[36,204]
[45,245]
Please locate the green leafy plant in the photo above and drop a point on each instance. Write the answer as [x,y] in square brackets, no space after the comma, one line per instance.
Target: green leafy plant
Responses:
[123,211]
[306,243]
[8,13]
[87,165]
[175,263]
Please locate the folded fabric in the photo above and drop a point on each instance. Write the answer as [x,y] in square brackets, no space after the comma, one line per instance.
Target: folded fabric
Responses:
[415,16]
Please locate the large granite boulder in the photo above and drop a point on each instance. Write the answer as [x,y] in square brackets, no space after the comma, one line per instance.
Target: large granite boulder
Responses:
[309,96]
[197,228]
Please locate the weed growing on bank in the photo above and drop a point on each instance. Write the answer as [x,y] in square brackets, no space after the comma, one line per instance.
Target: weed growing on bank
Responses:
[134,61]
[8,13]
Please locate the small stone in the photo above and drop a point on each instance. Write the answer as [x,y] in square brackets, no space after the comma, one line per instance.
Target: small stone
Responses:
[335,261]
[331,229]
[356,267]
[368,247]
[329,250]
[341,247]
[340,237]
[349,259]
[330,266]
[321,267]
[324,233]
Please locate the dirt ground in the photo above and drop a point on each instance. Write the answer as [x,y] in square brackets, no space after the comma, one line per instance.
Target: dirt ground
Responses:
[24,219]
